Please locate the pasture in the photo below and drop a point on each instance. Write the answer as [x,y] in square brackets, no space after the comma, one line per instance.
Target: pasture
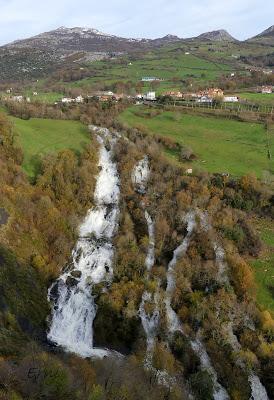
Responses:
[39,137]
[221,145]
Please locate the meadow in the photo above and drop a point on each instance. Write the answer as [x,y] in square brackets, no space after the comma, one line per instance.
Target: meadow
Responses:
[39,137]
[221,145]
[258,98]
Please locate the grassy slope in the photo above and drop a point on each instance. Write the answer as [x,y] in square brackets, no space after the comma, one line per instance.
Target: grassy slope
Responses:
[221,145]
[264,267]
[206,62]
[164,65]
[41,136]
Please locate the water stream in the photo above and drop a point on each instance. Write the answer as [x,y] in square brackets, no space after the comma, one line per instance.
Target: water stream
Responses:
[75,308]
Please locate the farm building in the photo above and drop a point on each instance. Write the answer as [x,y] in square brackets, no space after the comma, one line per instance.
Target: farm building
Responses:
[150,79]
[231,99]
[150,96]
[205,99]
[177,95]
[266,89]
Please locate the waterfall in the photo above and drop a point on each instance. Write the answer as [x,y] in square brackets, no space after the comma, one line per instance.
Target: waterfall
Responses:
[140,175]
[258,391]
[219,392]
[150,322]
[150,258]
[75,309]
[173,322]
[150,325]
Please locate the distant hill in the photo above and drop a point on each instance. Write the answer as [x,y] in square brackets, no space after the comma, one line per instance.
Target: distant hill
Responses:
[266,36]
[217,36]
[42,54]
[47,51]
[268,32]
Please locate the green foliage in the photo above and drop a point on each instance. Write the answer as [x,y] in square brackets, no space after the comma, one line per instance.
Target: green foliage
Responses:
[202,385]
[236,234]
[23,303]
[97,393]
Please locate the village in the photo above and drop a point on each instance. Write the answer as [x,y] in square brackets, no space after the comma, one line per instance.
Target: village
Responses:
[208,96]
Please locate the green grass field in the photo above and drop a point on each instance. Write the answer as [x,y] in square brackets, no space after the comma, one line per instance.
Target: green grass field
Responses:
[221,145]
[44,97]
[38,137]
[258,98]
[264,267]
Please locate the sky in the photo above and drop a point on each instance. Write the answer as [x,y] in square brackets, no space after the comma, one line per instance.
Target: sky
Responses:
[139,18]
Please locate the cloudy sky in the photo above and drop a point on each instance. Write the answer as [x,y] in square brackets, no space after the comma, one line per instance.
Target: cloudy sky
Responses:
[138,18]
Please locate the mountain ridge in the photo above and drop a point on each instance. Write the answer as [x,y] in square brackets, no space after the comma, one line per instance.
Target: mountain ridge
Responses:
[220,35]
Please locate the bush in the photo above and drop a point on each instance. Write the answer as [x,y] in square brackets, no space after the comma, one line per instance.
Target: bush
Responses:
[202,385]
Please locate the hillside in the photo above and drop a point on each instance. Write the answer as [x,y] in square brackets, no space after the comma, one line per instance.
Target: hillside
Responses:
[266,37]
[51,51]
[146,269]
[217,36]
[47,51]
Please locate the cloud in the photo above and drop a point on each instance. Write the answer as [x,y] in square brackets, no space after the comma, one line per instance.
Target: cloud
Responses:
[153,18]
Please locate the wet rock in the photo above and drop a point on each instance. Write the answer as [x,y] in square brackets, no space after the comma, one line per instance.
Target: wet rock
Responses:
[76,274]
[108,146]
[54,292]
[71,282]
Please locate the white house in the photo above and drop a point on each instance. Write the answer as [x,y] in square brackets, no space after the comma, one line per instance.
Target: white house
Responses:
[150,96]
[231,99]
[79,99]
[205,99]
[267,89]
[149,79]
[18,99]
[67,100]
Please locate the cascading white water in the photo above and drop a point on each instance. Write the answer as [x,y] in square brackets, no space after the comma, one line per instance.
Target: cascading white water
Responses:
[75,308]
[150,258]
[140,175]
[150,324]
[173,322]
[219,391]
[257,389]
